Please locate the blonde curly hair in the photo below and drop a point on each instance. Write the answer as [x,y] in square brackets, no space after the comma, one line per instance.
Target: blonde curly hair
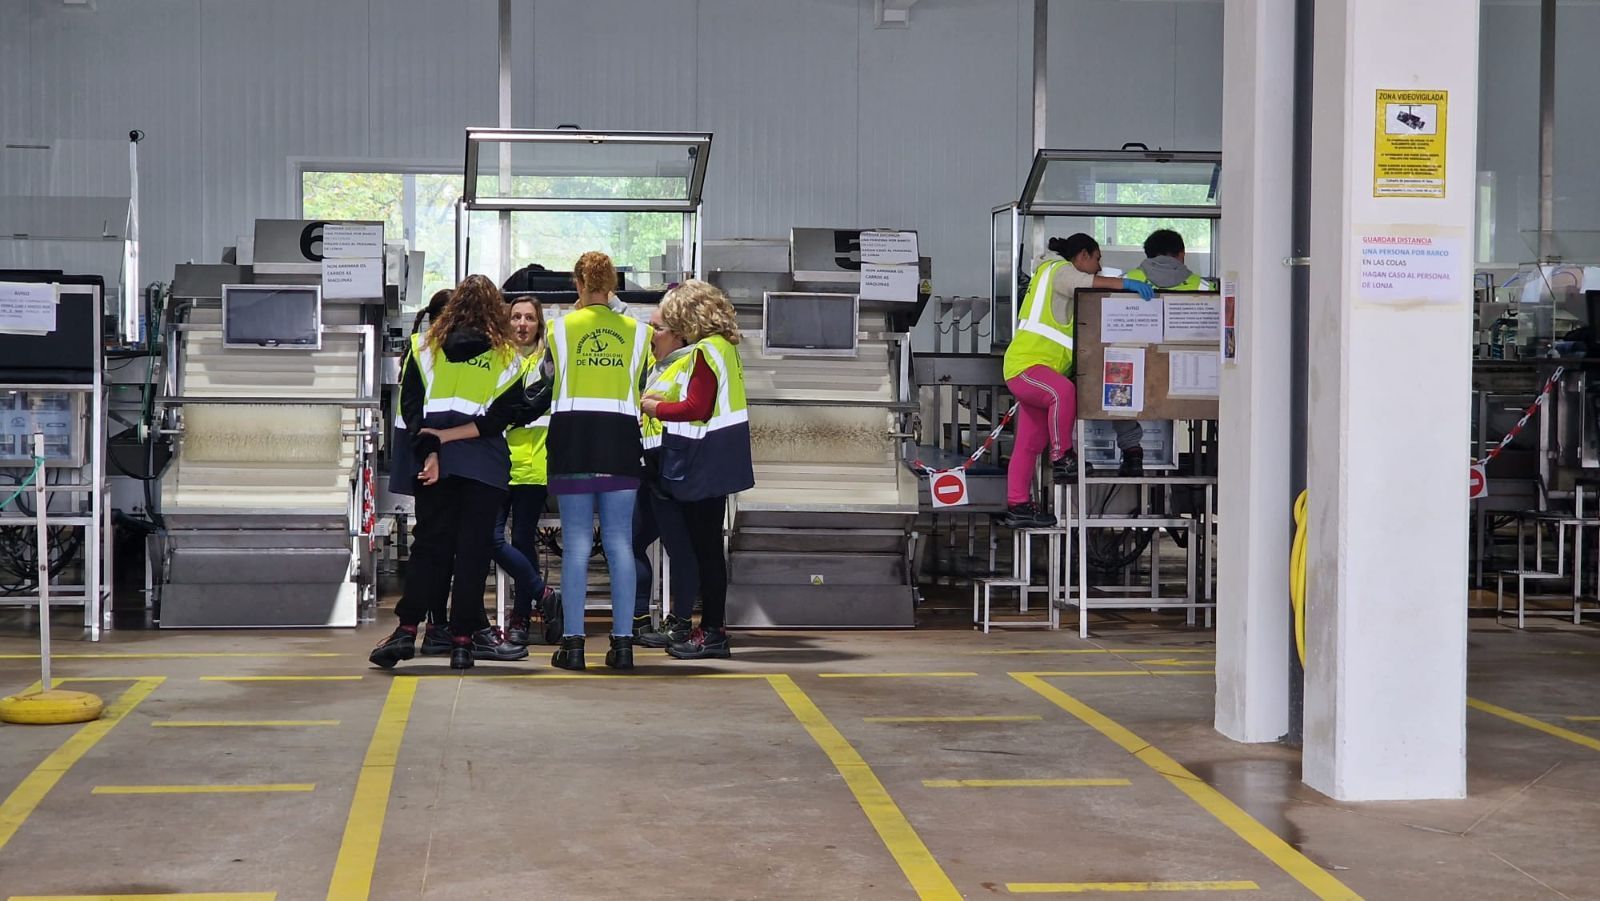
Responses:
[696,310]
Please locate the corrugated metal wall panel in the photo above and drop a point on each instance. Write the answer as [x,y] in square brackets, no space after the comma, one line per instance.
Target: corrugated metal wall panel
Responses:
[434,72]
[1197,76]
[777,84]
[589,72]
[1111,74]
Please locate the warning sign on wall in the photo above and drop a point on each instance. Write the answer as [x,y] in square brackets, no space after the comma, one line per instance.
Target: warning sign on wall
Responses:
[1410,133]
[948,488]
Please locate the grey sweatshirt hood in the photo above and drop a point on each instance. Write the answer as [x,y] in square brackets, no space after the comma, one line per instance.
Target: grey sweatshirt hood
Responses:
[1165,272]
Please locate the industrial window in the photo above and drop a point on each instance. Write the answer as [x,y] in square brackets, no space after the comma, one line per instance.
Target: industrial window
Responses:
[420,206]
[1129,233]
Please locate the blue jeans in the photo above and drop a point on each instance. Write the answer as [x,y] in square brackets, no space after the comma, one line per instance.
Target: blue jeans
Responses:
[655,517]
[520,558]
[616,537]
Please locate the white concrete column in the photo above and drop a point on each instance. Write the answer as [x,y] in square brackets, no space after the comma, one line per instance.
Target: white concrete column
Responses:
[1385,711]
[1254,505]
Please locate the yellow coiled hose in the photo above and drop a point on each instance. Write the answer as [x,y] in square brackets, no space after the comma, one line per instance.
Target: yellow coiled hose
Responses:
[1297,576]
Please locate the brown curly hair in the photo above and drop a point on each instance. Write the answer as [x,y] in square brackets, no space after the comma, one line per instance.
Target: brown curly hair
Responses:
[478,305]
[594,273]
[695,310]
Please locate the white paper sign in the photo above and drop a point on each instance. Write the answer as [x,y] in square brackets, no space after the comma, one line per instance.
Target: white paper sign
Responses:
[1194,373]
[27,309]
[352,279]
[352,242]
[889,247]
[1399,269]
[1130,320]
[1123,380]
[880,282]
[1192,319]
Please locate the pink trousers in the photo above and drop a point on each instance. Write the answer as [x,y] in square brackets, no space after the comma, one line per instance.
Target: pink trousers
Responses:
[1047,404]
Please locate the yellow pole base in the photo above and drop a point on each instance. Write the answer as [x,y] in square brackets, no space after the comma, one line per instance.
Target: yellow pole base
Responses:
[50,708]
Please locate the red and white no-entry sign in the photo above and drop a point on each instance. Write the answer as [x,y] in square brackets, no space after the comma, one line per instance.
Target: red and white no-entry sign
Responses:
[1478,482]
[948,488]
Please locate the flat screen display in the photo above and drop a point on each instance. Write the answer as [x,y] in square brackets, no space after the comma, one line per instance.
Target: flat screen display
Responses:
[280,317]
[819,325]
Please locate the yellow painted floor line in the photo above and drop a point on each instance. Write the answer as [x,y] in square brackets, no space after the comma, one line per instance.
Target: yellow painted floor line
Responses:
[549,676]
[927,878]
[280,678]
[1025,783]
[203,789]
[1577,738]
[894,675]
[219,724]
[1031,718]
[1095,651]
[201,896]
[1297,865]
[1082,888]
[1582,719]
[22,801]
[363,829]
[170,655]
[1123,672]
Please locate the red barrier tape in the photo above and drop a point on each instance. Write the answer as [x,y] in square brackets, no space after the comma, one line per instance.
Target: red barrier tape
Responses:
[1527,415]
[921,467]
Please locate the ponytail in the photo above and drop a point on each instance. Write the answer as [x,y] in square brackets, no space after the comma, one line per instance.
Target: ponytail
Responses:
[1070,247]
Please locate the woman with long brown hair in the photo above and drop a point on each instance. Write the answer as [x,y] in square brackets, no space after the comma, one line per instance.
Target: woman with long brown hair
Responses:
[465,370]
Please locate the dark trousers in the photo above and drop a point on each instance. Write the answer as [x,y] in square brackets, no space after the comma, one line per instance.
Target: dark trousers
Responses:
[703,520]
[450,553]
[656,517]
[520,557]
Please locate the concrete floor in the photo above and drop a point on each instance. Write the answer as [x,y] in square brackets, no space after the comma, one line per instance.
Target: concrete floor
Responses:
[779,782]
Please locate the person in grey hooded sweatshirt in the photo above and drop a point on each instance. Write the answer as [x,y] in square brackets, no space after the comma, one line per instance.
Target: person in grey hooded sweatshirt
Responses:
[1164,269]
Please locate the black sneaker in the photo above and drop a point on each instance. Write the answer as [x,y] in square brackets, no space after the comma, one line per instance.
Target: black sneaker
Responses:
[570,655]
[1065,470]
[550,612]
[1026,516]
[1132,466]
[672,631]
[621,654]
[400,645]
[436,641]
[461,654]
[491,644]
[517,630]
[702,645]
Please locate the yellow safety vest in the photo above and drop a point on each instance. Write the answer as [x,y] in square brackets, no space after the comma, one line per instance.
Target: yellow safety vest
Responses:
[671,383]
[1040,339]
[455,394]
[1192,283]
[711,457]
[527,443]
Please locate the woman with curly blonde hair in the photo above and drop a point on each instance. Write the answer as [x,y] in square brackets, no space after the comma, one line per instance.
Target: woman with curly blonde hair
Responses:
[705,448]
[463,372]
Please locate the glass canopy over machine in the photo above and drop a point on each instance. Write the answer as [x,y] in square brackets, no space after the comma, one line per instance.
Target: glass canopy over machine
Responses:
[1116,196]
[546,196]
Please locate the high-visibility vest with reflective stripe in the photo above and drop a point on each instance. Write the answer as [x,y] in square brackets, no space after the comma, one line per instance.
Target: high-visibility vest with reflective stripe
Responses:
[671,383]
[600,356]
[455,394]
[711,457]
[1040,340]
[1192,283]
[527,443]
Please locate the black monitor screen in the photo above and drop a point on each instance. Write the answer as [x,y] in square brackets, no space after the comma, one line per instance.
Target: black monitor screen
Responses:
[272,316]
[810,324]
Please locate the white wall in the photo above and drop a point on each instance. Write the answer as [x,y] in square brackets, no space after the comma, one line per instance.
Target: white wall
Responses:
[1508,137]
[820,118]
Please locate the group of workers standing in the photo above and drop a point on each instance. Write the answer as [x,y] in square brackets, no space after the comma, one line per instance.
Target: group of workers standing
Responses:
[1039,360]
[641,425]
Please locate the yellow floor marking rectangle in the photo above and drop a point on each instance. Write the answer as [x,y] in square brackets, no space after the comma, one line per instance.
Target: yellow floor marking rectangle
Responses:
[1079,888]
[280,678]
[1030,718]
[1095,651]
[1576,738]
[1319,881]
[1582,719]
[201,896]
[203,789]
[170,655]
[1025,783]
[219,724]
[894,675]
[547,676]
[1123,672]
[927,878]
[22,801]
[363,829]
